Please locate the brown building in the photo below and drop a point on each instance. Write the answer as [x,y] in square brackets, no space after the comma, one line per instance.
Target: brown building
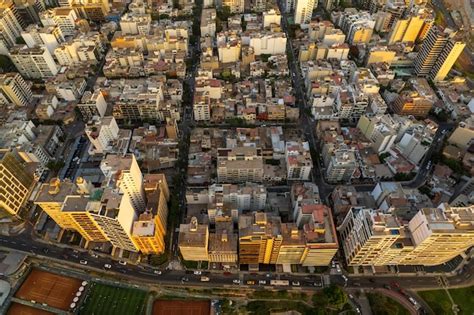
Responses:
[411,103]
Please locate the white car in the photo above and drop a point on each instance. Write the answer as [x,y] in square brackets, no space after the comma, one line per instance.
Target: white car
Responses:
[345,278]
[295,283]
[236,281]
[338,268]
[197,273]
[108,266]
[94,255]
[262,282]
[123,263]
[157,272]
[83,262]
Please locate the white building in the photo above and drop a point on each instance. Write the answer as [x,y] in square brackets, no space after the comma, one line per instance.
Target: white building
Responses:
[135,24]
[270,17]
[33,63]
[304,10]
[123,172]
[49,37]
[267,43]
[208,22]
[92,104]
[298,160]
[380,130]
[101,133]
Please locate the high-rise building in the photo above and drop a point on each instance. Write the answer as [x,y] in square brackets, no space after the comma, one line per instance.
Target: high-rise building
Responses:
[14,90]
[101,134]
[10,28]
[16,183]
[92,104]
[123,172]
[438,53]
[412,103]
[293,245]
[406,30]
[98,214]
[259,239]
[303,11]
[33,63]
[193,241]
[432,237]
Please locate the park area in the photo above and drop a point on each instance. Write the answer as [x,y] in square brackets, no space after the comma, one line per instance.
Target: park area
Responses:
[104,299]
[440,303]
[48,288]
[165,307]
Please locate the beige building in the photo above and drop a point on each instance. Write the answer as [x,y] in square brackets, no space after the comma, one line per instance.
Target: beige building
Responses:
[462,137]
[16,183]
[432,237]
[223,244]
[240,164]
[293,245]
[14,90]
[193,241]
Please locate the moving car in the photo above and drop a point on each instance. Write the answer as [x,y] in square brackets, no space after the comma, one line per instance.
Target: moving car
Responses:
[108,266]
[236,281]
[123,263]
[83,262]
[157,272]
[197,273]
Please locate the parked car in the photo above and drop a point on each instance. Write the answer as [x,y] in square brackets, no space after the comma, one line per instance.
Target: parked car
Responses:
[107,266]
[123,263]
[83,262]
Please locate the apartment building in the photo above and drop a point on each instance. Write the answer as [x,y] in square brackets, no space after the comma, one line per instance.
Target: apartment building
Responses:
[298,160]
[243,197]
[293,245]
[380,130]
[406,30]
[149,231]
[14,90]
[236,6]
[259,239]
[304,11]
[101,134]
[438,53]
[92,104]
[228,47]
[271,17]
[10,28]
[223,245]
[193,241]
[239,164]
[208,22]
[379,54]
[320,238]
[65,19]
[303,197]
[33,63]
[48,36]
[342,165]
[266,42]
[98,214]
[134,23]
[412,103]
[432,237]
[123,172]
[17,182]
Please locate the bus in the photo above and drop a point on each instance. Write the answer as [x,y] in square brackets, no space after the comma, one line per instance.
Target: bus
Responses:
[280,282]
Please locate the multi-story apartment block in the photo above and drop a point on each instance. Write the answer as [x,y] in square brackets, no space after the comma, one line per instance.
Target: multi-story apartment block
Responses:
[406,30]
[379,54]
[17,183]
[240,164]
[33,63]
[48,36]
[380,130]
[351,102]
[262,42]
[259,239]
[320,238]
[92,104]
[65,19]
[298,160]
[149,230]
[14,90]
[342,166]
[271,17]
[235,6]
[133,23]
[293,245]
[10,28]
[98,214]
[101,134]
[228,47]
[304,11]
[412,103]
[358,25]
[122,171]
[432,237]
[243,197]
[193,241]
[208,22]
[438,53]
[223,244]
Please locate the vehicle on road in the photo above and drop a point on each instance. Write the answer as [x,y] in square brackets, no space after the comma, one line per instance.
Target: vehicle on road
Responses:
[94,255]
[414,302]
[108,266]
[197,273]
[83,262]
[295,283]
[345,278]
[318,284]
[157,272]
[205,279]
[263,282]
[184,279]
[280,282]
[123,263]
[236,281]
[338,268]
[250,282]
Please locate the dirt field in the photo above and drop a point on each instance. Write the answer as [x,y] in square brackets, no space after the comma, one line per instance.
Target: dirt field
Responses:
[20,309]
[44,287]
[165,307]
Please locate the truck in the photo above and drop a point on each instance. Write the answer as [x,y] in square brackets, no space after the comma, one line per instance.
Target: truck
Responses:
[279,282]
[205,279]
